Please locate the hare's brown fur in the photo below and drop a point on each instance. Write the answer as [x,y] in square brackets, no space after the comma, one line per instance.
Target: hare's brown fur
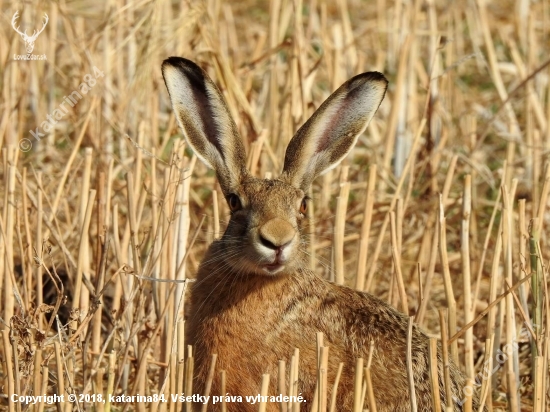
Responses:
[252,321]
[254,301]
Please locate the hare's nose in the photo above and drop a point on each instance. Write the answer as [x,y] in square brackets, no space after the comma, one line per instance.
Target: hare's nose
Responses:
[276,234]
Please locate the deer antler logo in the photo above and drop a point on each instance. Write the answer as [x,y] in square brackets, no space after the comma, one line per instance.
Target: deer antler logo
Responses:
[29,40]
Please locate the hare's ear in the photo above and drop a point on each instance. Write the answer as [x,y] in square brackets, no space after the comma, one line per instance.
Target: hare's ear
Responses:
[205,120]
[332,131]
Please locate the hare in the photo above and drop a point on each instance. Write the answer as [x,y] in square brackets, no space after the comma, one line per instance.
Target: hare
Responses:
[254,299]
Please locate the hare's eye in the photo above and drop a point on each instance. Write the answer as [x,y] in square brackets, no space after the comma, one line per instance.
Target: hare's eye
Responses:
[234,202]
[303,206]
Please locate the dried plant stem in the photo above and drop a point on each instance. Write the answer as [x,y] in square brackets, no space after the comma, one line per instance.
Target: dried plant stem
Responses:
[538,404]
[486,246]
[370,391]
[397,265]
[434,249]
[542,204]
[536,292]
[7,236]
[365,230]
[37,381]
[44,373]
[281,384]
[140,377]
[323,379]
[523,262]
[335,387]
[394,115]
[339,230]
[467,297]
[293,392]
[510,318]
[262,407]
[410,371]
[209,379]
[451,302]
[433,233]
[358,385]
[487,366]
[9,368]
[223,384]
[29,237]
[446,360]
[434,375]
[80,274]
[180,355]
[110,380]
[316,401]
[59,371]
[189,368]
[84,254]
[98,388]
[420,285]
[101,261]
[136,258]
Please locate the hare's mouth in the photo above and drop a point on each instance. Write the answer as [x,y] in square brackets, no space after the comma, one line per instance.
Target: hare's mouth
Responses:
[273,268]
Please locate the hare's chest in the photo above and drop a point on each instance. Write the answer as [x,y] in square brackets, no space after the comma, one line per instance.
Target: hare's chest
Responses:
[237,312]
[237,335]
[238,325]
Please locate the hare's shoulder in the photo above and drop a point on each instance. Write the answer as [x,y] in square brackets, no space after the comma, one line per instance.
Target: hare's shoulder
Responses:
[348,301]
[355,313]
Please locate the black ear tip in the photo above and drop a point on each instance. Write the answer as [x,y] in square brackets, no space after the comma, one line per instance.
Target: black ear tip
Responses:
[180,62]
[368,77]
[372,77]
[376,76]
[176,60]
[172,61]
[369,80]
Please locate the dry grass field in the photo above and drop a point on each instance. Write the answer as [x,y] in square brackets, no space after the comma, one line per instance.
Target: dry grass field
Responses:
[441,209]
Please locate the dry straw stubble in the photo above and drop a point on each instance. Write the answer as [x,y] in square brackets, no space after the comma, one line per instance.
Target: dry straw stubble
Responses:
[463,66]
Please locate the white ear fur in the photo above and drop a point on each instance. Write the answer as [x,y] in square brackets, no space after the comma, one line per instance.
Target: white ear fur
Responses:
[332,131]
[205,120]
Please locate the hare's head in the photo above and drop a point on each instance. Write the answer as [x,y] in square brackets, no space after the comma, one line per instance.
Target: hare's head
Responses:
[264,233]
